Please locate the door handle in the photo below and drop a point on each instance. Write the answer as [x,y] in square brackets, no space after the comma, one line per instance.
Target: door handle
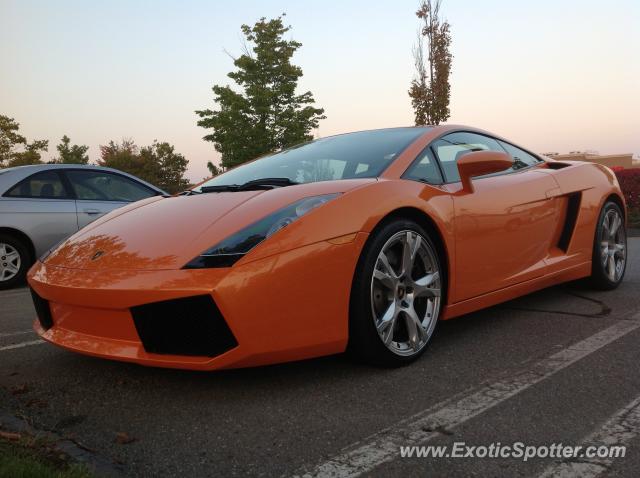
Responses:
[91,211]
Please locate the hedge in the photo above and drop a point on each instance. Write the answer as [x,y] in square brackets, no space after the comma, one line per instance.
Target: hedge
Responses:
[629,180]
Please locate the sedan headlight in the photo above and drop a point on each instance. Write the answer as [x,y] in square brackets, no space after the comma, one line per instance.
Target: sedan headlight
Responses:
[233,248]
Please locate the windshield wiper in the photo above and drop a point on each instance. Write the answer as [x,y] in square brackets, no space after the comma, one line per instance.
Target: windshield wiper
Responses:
[266,183]
[255,185]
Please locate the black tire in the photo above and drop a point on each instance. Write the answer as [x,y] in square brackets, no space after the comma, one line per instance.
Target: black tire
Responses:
[25,261]
[601,277]
[365,344]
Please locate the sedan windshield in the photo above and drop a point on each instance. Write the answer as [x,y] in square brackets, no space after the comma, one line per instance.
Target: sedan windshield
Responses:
[365,154]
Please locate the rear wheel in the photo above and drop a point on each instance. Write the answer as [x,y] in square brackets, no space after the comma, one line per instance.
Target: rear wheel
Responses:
[610,248]
[396,294]
[14,261]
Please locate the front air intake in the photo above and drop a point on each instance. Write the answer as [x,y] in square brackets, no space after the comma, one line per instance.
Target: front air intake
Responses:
[188,326]
[42,310]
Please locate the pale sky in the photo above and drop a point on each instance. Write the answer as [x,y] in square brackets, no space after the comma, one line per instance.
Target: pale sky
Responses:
[552,75]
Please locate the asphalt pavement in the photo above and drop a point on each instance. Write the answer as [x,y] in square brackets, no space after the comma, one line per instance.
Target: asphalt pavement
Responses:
[556,366]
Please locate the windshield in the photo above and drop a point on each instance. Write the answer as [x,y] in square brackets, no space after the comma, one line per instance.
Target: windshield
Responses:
[365,154]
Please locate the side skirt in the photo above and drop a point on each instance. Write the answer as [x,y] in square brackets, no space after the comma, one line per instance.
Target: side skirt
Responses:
[492,298]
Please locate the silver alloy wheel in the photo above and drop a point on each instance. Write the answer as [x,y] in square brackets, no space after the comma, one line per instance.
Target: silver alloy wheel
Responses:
[613,245]
[10,262]
[405,293]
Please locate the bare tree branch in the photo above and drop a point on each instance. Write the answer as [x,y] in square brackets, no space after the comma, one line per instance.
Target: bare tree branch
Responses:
[430,92]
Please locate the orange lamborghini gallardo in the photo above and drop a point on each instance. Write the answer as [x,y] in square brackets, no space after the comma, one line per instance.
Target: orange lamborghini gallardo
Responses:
[357,242]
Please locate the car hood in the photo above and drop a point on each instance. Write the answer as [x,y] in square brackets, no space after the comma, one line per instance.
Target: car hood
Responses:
[167,233]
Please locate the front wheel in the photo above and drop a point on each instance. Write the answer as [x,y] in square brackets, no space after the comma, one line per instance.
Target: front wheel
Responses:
[396,294]
[609,260]
[14,261]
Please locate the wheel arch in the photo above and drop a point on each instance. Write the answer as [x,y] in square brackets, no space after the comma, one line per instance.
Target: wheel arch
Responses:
[430,225]
[615,198]
[21,236]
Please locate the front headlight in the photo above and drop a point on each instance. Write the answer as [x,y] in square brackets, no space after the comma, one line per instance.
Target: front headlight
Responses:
[233,248]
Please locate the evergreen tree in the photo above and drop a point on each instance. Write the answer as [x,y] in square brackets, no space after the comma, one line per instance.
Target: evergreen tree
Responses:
[267,115]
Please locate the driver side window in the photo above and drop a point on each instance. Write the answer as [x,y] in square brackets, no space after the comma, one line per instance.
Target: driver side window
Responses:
[521,159]
[425,169]
[452,147]
[101,186]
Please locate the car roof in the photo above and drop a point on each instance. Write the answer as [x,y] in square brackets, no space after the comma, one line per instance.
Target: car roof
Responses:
[11,176]
[37,167]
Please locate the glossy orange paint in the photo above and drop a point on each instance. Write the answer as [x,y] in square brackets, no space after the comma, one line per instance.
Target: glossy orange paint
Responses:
[288,299]
[480,163]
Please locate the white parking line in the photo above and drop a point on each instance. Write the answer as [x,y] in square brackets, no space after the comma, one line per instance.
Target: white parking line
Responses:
[619,430]
[22,344]
[13,334]
[384,446]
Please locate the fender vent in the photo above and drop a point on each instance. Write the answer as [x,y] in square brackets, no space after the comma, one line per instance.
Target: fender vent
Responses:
[188,326]
[557,165]
[573,207]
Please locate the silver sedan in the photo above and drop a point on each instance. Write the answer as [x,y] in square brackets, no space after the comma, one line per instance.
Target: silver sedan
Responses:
[41,205]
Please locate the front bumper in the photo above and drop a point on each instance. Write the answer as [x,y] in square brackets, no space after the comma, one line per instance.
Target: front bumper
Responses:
[289,306]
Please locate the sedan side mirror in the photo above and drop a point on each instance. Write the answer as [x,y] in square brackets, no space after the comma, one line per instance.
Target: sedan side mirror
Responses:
[479,163]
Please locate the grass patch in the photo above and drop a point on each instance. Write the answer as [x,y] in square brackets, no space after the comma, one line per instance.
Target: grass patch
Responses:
[29,457]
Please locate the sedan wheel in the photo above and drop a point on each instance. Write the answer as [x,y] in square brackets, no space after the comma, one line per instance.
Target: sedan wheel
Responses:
[14,261]
[10,262]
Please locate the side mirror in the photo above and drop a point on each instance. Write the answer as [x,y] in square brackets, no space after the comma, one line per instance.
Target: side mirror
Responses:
[479,163]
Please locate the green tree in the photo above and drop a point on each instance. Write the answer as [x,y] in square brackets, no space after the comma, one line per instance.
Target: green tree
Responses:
[430,89]
[170,166]
[9,139]
[158,164]
[123,156]
[15,150]
[71,153]
[267,115]
[214,169]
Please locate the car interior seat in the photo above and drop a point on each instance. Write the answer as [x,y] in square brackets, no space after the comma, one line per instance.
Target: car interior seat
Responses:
[47,190]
